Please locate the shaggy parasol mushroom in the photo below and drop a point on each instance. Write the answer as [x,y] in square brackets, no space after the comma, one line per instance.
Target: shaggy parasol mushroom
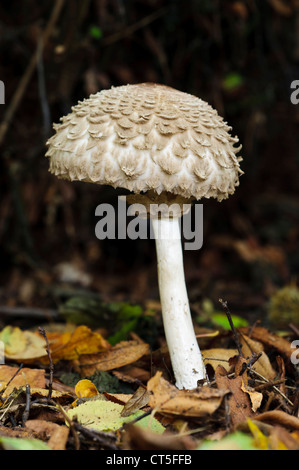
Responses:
[166,146]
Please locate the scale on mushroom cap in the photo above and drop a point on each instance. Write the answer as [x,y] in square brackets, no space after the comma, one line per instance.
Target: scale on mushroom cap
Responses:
[162,145]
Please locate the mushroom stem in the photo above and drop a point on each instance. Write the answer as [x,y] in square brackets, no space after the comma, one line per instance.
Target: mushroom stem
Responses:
[185,355]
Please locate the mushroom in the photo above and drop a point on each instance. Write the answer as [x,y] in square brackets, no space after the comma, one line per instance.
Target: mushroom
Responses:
[163,145]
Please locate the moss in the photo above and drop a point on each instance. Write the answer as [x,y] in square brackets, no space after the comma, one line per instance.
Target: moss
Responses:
[284,307]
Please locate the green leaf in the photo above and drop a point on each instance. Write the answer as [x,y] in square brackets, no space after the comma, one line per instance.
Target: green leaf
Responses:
[14,443]
[235,441]
[104,415]
[220,319]
[231,81]
[95,32]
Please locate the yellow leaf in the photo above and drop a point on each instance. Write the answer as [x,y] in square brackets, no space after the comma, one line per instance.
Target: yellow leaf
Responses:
[260,440]
[71,345]
[85,388]
[22,345]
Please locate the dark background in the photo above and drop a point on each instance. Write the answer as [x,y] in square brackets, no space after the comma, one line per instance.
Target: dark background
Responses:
[240,56]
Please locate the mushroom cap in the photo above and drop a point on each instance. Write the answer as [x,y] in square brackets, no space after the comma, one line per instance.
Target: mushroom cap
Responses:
[147,137]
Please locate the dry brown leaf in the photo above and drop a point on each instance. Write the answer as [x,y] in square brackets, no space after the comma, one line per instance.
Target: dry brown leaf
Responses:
[132,374]
[18,432]
[279,417]
[56,435]
[120,398]
[218,357]
[262,365]
[166,398]
[32,377]
[125,352]
[269,339]
[137,438]
[255,397]
[136,402]
[238,402]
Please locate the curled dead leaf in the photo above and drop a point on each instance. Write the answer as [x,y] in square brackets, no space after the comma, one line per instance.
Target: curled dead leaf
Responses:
[269,339]
[125,352]
[262,365]
[136,402]
[166,398]
[238,401]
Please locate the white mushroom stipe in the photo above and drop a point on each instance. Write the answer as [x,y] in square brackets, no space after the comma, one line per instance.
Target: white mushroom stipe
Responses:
[185,355]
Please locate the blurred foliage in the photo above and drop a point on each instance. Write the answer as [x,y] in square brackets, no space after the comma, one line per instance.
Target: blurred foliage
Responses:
[125,317]
[239,55]
[284,307]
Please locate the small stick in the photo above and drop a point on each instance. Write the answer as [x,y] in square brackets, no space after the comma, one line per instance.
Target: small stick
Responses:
[27,407]
[234,331]
[274,387]
[269,384]
[146,413]
[102,438]
[27,311]
[51,365]
[18,95]
[72,427]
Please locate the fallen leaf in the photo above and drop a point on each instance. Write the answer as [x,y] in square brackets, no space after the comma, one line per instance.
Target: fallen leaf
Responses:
[255,397]
[218,356]
[260,440]
[85,388]
[137,438]
[104,415]
[166,398]
[14,443]
[120,398]
[22,346]
[56,435]
[262,365]
[238,401]
[279,417]
[71,345]
[234,441]
[125,352]
[269,339]
[33,377]
[136,402]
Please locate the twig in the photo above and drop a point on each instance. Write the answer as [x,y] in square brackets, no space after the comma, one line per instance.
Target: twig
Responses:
[51,365]
[269,384]
[294,328]
[26,412]
[102,438]
[17,97]
[274,387]
[72,427]
[134,27]
[234,331]
[146,413]
[27,311]
[42,90]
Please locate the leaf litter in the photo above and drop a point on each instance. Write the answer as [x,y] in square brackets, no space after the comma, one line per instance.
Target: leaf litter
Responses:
[121,394]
